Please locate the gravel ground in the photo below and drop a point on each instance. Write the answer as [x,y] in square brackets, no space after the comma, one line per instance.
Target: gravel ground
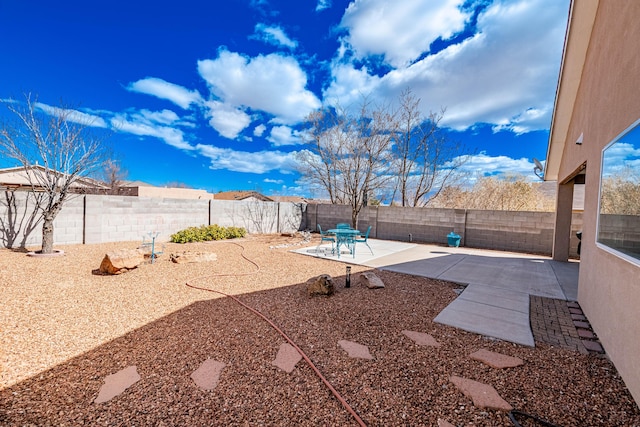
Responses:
[64,329]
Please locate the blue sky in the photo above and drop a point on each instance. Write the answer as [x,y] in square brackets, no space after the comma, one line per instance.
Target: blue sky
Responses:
[212,93]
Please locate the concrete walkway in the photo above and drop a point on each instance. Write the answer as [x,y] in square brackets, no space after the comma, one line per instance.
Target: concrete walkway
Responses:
[495,301]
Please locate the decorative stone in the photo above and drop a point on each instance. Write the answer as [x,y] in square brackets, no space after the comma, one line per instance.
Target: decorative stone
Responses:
[421,338]
[482,395]
[444,423]
[287,357]
[117,383]
[207,376]
[496,360]
[185,257]
[370,280]
[355,350]
[321,285]
[121,261]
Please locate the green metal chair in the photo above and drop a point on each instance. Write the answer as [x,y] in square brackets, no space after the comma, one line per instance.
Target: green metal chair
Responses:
[343,225]
[363,240]
[326,237]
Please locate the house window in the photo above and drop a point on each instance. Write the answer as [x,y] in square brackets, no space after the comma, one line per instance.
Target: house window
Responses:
[619,208]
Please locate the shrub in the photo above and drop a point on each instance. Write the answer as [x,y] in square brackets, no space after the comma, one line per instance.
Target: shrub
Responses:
[207,233]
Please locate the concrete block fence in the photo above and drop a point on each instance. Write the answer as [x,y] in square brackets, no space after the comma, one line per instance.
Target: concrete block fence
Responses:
[96,219]
[530,232]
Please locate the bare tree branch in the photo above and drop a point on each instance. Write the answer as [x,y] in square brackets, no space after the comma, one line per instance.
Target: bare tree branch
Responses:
[55,149]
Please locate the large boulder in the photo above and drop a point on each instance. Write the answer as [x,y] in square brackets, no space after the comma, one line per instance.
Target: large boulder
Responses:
[184,257]
[370,280]
[121,261]
[321,285]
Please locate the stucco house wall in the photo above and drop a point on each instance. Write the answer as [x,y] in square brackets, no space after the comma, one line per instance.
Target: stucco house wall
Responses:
[606,103]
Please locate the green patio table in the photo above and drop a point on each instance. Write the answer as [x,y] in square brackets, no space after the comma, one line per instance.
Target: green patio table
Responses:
[345,236]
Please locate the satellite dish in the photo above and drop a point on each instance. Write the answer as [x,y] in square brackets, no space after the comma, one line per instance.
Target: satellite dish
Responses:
[539,169]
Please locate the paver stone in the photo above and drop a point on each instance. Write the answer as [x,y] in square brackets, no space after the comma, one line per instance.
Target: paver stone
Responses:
[287,357]
[117,383]
[355,350]
[421,338]
[496,360]
[482,395]
[207,376]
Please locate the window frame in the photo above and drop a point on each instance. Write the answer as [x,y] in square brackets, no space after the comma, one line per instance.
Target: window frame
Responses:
[603,246]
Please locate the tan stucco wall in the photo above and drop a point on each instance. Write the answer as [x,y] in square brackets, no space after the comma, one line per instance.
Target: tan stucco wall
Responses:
[607,103]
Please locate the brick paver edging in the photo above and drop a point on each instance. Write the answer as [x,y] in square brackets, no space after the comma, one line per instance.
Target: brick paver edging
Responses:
[562,324]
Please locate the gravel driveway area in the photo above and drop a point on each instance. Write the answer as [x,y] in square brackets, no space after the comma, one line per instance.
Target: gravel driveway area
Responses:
[63,330]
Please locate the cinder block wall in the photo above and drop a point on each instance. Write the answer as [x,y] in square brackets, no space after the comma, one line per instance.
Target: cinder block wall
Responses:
[511,231]
[18,227]
[530,232]
[122,218]
[98,218]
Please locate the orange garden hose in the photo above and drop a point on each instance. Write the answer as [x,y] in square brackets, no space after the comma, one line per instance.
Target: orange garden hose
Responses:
[274,326]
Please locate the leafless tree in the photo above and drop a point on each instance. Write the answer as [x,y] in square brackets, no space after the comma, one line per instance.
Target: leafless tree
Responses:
[425,159]
[113,175]
[349,154]
[56,149]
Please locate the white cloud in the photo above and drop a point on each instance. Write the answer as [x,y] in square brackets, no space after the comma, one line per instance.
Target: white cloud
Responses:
[165,117]
[259,130]
[273,181]
[159,88]
[284,135]
[275,36]
[72,115]
[138,124]
[323,4]
[505,75]
[227,120]
[484,165]
[400,31]
[259,162]
[350,84]
[273,83]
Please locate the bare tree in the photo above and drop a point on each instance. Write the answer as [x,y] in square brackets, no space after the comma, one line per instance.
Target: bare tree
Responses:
[349,154]
[56,149]
[113,175]
[425,159]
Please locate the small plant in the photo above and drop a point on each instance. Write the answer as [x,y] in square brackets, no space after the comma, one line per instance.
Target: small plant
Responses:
[206,233]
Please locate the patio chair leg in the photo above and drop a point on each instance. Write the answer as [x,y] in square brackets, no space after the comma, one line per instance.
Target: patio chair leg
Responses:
[369,247]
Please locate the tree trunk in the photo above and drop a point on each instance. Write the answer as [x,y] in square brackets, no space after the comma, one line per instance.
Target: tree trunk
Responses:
[47,235]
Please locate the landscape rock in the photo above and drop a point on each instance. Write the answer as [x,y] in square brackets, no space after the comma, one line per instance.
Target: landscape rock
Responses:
[185,257]
[321,285]
[121,261]
[370,280]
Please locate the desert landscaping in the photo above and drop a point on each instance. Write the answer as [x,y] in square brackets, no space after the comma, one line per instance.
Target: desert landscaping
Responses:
[64,329]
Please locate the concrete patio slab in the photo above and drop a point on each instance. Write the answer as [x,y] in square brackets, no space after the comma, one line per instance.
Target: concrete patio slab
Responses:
[491,320]
[495,301]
